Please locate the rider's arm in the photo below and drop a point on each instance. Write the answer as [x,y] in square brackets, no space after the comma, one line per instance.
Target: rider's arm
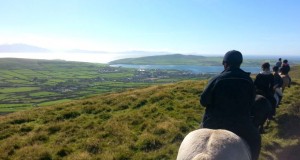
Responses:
[206,96]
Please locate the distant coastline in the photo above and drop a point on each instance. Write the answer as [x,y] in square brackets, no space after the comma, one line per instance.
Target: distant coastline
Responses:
[107,57]
[189,68]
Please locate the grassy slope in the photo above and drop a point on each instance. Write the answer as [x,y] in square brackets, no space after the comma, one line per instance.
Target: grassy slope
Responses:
[147,123]
[295,72]
[139,124]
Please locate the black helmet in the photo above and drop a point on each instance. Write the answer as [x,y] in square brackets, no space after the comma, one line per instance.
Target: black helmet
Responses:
[233,57]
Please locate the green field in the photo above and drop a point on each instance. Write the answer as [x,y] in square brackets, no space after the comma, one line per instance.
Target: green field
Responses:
[31,83]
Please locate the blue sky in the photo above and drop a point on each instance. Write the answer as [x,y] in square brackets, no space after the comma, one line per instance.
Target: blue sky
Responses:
[207,27]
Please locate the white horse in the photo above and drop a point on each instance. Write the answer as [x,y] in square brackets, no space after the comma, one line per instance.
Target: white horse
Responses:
[209,144]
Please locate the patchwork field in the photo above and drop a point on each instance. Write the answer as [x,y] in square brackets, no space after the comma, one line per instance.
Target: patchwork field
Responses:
[26,83]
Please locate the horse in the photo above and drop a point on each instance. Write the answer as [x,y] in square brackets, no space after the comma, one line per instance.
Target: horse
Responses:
[261,111]
[210,144]
[286,81]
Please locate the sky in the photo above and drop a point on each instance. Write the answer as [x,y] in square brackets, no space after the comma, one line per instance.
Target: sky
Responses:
[204,27]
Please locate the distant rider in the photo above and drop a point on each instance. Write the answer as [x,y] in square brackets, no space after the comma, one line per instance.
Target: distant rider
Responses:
[279,63]
[228,99]
[264,83]
[284,72]
[277,85]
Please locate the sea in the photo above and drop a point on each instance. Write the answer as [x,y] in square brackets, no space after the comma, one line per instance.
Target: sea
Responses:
[190,68]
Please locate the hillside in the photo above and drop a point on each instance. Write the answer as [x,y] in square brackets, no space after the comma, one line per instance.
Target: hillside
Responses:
[167,60]
[179,59]
[147,123]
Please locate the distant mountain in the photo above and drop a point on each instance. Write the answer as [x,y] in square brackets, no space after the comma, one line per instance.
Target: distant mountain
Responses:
[21,48]
[171,59]
[179,59]
[155,53]
[84,51]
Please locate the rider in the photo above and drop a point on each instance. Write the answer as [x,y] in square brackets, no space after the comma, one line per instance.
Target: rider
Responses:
[228,99]
[277,85]
[284,71]
[279,63]
[264,84]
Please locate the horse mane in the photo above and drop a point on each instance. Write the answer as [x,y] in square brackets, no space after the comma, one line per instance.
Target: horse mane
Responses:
[209,144]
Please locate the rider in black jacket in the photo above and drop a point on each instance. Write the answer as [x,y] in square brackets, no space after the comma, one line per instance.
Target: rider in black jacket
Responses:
[228,99]
[264,84]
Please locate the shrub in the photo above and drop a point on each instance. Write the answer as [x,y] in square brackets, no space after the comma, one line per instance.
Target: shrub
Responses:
[5,135]
[40,137]
[140,104]
[121,107]
[20,121]
[160,131]
[69,115]
[26,129]
[54,129]
[64,152]
[149,143]
[105,116]
[33,153]
[92,145]
[178,138]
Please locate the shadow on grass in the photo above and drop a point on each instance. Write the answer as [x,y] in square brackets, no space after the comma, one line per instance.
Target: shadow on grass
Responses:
[295,83]
[290,153]
[289,122]
[288,126]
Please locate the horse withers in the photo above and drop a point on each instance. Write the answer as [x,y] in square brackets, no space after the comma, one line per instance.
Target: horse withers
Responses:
[208,144]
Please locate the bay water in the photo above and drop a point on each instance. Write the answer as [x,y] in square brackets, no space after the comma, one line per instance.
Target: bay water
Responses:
[190,68]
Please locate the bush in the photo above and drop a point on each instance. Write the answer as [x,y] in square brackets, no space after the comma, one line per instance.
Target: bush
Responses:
[20,121]
[54,129]
[33,153]
[92,146]
[64,152]
[149,143]
[26,129]
[69,115]
[39,138]
[140,104]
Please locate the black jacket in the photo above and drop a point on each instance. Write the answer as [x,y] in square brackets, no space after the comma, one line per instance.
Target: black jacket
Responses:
[229,98]
[277,81]
[264,83]
[230,94]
